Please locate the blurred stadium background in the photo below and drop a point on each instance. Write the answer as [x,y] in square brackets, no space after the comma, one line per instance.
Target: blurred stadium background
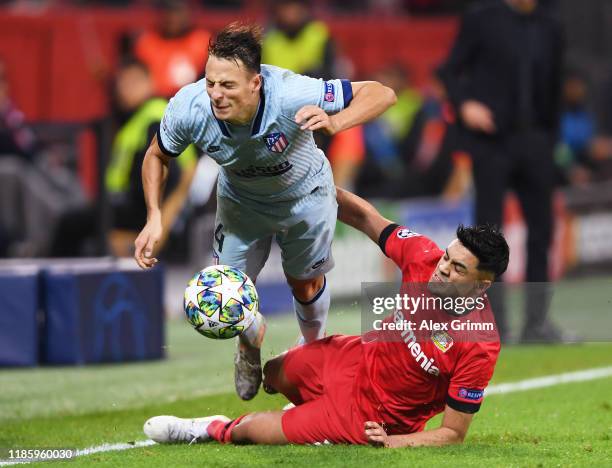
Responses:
[75,77]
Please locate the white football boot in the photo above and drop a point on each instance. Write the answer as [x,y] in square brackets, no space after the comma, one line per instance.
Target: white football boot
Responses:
[247,361]
[172,430]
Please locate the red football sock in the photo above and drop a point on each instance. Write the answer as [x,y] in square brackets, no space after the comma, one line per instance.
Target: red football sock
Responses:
[222,431]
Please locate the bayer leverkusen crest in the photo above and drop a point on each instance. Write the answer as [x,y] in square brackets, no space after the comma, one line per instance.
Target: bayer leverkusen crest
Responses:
[276,142]
[442,340]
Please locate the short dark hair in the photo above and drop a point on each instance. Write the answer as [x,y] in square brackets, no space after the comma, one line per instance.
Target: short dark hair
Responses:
[132,62]
[239,41]
[488,245]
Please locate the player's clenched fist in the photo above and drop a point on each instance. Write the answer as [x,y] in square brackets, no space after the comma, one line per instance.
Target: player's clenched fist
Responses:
[314,118]
[375,434]
[145,243]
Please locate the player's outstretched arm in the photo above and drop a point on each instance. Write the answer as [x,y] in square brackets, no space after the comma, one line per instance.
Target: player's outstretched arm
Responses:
[154,175]
[370,99]
[453,430]
[360,214]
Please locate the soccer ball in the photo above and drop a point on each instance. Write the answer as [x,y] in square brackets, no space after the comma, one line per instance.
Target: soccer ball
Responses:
[221,302]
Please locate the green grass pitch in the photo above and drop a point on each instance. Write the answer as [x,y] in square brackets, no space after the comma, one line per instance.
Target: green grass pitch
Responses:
[564,425]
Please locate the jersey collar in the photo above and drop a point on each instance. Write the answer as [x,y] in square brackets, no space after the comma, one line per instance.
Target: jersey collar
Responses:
[255,127]
[221,123]
[260,110]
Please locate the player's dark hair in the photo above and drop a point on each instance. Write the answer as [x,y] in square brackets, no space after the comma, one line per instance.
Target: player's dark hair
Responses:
[239,41]
[131,62]
[489,246]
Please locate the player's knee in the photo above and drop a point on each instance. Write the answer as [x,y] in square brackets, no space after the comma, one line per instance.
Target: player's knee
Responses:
[306,290]
[271,371]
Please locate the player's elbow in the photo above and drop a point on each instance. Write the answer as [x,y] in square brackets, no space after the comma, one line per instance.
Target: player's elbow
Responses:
[455,436]
[389,96]
[385,95]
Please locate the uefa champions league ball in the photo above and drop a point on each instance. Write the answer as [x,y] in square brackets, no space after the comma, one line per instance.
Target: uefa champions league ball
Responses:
[221,302]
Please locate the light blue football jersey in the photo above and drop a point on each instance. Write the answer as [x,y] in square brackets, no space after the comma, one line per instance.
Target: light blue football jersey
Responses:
[273,160]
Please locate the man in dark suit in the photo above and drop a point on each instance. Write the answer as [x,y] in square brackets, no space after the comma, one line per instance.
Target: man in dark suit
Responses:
[503,76]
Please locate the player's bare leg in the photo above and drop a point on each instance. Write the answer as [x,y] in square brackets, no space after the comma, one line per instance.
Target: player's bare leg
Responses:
[260,428]
[311,302]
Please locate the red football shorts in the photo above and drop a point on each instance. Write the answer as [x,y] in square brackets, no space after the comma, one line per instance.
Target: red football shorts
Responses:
[324,373]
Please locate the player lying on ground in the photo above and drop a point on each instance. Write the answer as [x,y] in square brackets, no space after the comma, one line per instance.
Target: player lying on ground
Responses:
[256,121]
[372,389]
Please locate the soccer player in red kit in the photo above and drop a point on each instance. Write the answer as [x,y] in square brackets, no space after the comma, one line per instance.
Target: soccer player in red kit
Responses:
[380,388]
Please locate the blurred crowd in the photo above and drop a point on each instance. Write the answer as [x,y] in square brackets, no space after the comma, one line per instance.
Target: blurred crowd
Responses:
[415,149]
[377,7]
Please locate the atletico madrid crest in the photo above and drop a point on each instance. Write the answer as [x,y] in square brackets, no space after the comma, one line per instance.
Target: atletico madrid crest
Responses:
[276,142]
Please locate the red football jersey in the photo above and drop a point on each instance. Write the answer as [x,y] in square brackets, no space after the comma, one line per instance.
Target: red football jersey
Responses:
[407,377]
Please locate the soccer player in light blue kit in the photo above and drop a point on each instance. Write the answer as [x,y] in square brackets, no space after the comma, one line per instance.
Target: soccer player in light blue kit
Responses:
[257,121]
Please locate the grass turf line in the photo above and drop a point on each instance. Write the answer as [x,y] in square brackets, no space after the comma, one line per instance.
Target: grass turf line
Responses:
[548,427]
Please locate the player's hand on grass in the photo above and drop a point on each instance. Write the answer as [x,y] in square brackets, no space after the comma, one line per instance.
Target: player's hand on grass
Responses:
[314,118]
[375,434]
[146,241]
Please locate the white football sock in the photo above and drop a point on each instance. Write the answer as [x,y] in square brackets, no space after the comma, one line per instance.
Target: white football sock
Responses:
[312,315]
[253,336]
